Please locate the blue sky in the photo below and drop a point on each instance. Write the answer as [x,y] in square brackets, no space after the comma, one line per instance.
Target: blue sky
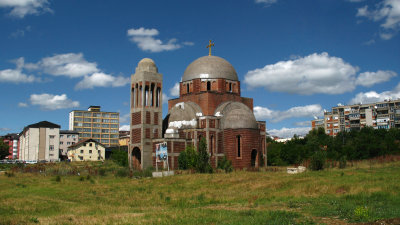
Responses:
[294,58]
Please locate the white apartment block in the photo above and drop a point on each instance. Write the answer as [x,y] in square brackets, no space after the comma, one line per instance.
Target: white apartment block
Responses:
[40,142]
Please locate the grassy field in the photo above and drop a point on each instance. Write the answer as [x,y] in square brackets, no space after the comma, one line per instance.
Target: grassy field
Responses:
[366,192]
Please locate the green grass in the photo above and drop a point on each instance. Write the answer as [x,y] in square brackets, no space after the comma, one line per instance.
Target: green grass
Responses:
[363,193]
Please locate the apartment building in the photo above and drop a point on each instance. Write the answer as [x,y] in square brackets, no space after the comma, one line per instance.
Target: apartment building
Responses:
[40,142]
[86,150]
[317,123]
[380,115]
[67,138]
[12,140]
[102,127]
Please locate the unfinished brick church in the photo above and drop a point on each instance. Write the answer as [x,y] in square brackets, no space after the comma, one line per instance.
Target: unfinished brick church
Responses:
[209,106]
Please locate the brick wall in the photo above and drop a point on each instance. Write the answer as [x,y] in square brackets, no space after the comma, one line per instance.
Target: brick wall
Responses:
[136,135]
[156,118]
[136,118]
[148,118]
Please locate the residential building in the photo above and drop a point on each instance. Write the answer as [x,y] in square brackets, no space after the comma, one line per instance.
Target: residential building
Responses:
[86,150]
[67,138]
[40,142]
[12,140]
[124,138]
[102,127]
[317,123]
[379,115]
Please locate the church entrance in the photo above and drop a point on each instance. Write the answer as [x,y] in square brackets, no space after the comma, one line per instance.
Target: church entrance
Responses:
[254,157]
[136,158]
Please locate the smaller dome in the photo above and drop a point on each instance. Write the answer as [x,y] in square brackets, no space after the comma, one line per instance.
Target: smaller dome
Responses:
[147,64]
[239,119]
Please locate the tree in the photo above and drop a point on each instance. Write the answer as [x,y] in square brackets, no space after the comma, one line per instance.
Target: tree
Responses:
[203,163]
[4,148]
[188,158]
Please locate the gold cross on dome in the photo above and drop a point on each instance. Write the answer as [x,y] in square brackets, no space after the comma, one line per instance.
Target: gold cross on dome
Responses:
[209,47]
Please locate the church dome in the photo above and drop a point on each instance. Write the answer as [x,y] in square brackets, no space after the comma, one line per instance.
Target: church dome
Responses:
[147,64]
[210,67]
[236,115]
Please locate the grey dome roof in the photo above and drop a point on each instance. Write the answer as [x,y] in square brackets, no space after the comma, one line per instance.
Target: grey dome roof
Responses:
[210,67]
[147,64]
[236,115]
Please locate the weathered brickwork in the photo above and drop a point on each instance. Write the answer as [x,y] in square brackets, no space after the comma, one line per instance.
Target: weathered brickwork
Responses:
[136,135]
[136,117]
[155,118]
[147,133]
[148,118]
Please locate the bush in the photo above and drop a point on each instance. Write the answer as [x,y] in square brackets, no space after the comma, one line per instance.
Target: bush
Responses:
[225,164]
[188,159]
[120,157]
[58,178]
[317,161]
[203,163]
[342,162]
[123,172]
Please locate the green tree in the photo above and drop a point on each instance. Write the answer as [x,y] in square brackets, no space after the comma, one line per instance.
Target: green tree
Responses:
[188,158]
[4,148]
[120,157]
[203,163]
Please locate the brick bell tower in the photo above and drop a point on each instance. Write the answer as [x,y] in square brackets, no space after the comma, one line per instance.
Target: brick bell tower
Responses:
[146,113]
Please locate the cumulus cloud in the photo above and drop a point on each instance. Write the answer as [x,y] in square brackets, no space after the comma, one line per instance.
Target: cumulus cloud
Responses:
[294,112]
[373,96]
[22,105]
[145,40]
[101,80]
[388,13]
[266,2]
[52,102]
[303,123]
[70,65]
[21,8]
[174,92]
[16,75]
[124,128]
[368,79]
[289,132]
[315,73]
[165,98]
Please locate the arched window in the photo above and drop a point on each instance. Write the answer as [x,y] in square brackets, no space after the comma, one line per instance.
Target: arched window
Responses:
[239,146]
[187,88]
[230,87]
[208,85]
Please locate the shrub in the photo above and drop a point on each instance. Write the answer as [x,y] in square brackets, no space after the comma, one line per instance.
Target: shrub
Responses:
[342,162]
[123,172]
[58,178]
[225,164]
[203,163]
[188,159]
[317,161]
[120,157]
[81,178]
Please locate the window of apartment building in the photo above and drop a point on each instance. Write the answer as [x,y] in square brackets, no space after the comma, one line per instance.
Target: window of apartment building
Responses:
[106,115]
[98,151]
[114,115]
[81,151]
[96,130]
[72,142]
[104,141]
[114,141]
[87,114]
[78,124]
[106,120]
[105,136]
[61,136]
[84,144]
[105,130]
[51,147]
[113,136]
[96,120]
[68,136]
[68,143]
[96,114]
[114,125]
[51,136]
[90,151]
[114,131]
[105,125]
[90,144]
[78,119]
[87,125]
[96,125]
[87,129]
[113,121]
[61,142]
[95,135]
[78,114]
[87,120]
[51,154]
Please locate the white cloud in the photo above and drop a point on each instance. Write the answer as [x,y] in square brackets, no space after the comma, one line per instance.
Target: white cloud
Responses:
[387,11]
[22,104]
[21,8]
[294,112]
[144,38]
[289,132]
[20,32]
[266,2]
[52,102]
[303,123]
[125,118]
[124,128]
[368,79]
[70,64]
[315,73]
[165,98]
[174,92]
[101,80]
[373,96]
[16,75]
